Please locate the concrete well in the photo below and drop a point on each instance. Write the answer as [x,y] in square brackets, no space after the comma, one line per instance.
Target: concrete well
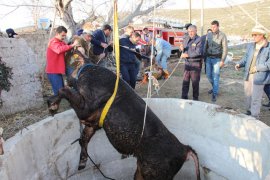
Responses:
[229,145]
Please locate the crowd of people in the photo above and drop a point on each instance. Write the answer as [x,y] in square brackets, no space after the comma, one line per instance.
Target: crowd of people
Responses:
[210,49]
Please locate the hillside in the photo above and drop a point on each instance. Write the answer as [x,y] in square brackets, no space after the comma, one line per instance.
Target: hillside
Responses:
[233,21]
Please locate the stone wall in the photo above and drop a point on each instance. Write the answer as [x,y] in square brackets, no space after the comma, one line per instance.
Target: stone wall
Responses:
[26,91]
[38,42]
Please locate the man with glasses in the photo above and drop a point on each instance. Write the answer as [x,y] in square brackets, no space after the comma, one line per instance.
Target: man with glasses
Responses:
[257,66]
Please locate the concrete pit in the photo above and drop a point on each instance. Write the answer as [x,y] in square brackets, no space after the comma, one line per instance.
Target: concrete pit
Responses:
[229,145]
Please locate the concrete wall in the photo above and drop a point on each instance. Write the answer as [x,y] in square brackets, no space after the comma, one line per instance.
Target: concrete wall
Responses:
[38,42]
[26,91]
[233,146]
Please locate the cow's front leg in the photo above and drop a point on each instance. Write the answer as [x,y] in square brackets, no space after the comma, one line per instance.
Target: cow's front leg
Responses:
[86,135]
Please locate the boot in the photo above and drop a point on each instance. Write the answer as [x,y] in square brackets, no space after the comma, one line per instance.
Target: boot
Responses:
[266,105]
[166,74]
[145,79]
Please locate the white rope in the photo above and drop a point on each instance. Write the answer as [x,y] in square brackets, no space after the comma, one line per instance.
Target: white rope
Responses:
[150,73]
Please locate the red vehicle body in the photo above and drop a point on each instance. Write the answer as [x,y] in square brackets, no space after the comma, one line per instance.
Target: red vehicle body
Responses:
[173,36]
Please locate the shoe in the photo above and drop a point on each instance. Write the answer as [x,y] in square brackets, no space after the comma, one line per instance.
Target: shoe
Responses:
[184,97]
[266,105]
[195,99]
[166,74]
[210,91]
[214,98]
[248,113]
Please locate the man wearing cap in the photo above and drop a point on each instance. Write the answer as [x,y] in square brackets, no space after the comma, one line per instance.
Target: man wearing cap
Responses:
[215,51]
[257,70]
[100,42]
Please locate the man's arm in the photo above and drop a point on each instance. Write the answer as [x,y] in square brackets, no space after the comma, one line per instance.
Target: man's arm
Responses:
[59,48]
[96,40]
[224,48]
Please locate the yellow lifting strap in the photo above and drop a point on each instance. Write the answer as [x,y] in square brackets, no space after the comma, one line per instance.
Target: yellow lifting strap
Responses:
[116,49]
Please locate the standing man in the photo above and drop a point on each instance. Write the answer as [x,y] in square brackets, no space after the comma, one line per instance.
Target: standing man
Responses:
[163,53]
[191,52]
[128,58]
[55,66]
[267,92]
[129,30]
[257,66]
[101,43]
[215,51]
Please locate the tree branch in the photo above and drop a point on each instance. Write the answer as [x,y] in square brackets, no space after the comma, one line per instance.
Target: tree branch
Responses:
[138,12]
[26,5]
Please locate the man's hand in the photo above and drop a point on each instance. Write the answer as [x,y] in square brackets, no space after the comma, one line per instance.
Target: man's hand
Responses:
[104,45]
[237,67]
[221,65]
[75,43]
[181,47]
[184,55]
[101,56]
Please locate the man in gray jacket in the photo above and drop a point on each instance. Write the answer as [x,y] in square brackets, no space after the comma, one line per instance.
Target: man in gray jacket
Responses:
[215,52]
[257,70]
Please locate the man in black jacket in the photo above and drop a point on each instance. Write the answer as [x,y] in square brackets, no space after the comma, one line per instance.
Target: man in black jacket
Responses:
[192,54]
[100,42]
[128,58]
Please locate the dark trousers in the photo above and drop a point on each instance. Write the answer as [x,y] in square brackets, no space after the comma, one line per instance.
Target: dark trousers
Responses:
[129,73]
[56,81]
[192,72]
[267,90]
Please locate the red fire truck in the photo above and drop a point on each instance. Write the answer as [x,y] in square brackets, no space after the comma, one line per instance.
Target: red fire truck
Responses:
[173,36]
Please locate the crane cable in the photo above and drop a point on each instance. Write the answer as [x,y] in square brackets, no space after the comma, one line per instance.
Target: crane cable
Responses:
[116,47]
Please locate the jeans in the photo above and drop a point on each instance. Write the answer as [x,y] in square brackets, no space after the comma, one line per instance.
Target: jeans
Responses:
[162,59]
[267,90]
[137,66]
[129,73]
[56,81]
[69,70]
[212,73]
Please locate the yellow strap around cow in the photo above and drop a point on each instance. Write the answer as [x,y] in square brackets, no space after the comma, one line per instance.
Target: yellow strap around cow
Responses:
[116,48]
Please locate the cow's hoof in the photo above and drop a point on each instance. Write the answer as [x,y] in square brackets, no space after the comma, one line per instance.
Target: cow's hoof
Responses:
[81,166]
[124,156]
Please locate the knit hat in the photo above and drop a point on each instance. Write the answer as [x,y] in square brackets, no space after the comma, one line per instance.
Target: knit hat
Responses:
[258,30]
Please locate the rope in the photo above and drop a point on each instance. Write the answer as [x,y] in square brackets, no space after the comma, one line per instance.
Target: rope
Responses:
[116,47]
[150,74]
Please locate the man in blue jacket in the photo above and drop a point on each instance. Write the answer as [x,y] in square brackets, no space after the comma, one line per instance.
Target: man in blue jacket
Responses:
[257,70]
[163,49]
[100,41]
[192,53]
[128,58]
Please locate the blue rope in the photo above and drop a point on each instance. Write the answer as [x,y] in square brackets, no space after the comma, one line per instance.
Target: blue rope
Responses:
[84,66]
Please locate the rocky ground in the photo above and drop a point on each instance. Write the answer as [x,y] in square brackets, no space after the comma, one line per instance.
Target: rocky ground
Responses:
[231,96]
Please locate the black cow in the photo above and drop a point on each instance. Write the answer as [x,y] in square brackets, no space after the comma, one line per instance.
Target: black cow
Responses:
[159,153]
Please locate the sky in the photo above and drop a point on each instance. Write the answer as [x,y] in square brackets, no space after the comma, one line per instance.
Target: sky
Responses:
[22,16]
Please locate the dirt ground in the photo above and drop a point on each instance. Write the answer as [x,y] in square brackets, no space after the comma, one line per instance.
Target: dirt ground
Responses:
[231,96]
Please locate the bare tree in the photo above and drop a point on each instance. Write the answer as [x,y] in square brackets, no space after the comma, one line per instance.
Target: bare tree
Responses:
[65,11]
[66,14]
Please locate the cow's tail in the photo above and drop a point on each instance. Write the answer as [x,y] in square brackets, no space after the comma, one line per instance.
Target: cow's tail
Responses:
[191,153]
